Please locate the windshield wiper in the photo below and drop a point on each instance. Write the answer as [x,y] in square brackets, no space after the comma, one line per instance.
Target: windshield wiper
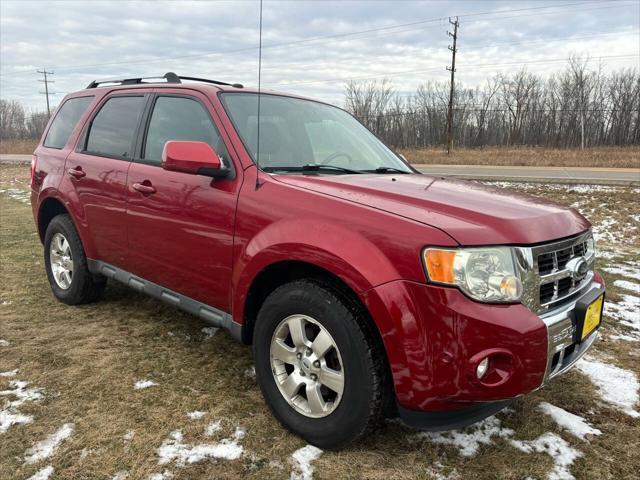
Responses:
[310,168]
[385,170]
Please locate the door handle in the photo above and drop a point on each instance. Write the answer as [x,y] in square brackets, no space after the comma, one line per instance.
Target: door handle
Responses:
[144,187]
[76,172]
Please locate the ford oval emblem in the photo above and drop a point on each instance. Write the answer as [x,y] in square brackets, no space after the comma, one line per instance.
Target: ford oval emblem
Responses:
[578,267]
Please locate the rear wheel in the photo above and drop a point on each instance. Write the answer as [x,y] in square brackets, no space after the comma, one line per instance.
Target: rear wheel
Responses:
[66,264]
[318,370]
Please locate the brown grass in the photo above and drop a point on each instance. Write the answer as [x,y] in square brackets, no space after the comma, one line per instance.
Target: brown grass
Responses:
[612,157]
[87,359]
[25,147]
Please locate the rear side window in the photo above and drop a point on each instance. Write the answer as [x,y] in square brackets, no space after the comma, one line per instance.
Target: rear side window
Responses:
[65,121]
[179,118]
[113,129]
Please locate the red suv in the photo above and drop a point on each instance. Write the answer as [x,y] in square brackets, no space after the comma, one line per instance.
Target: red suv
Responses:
[366,288]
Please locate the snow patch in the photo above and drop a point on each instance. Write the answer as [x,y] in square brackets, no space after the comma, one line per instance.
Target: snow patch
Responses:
[468,441]
[212,428]
[250,372]
[165,475]
[9,374]
[43,474]
[557,448]
[574,424]
[606,231]
[627,270]
[196,415]
[626,312]
[615,386]
[17,194]
[121,475]
[633,287]
[9,415]
[302,462]
[209,331]
[626,338]
[4,343]
[142,384]
[174,448]
[47,447]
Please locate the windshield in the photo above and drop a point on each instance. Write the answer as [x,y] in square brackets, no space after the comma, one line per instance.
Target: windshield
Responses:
[296,133]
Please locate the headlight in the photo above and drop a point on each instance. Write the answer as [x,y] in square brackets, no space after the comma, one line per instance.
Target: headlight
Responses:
[484,274]
[591,246]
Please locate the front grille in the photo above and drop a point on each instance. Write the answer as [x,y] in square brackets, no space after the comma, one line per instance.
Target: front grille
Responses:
[557,284]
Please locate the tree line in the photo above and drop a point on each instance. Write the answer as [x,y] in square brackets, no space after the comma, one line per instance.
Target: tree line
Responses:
[16,122]
[575,107]
[572,108]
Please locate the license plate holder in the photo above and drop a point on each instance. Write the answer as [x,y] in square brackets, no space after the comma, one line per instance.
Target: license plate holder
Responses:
[588,314]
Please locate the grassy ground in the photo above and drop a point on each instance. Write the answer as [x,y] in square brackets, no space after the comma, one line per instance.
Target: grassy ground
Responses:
[87,359]
[611,157]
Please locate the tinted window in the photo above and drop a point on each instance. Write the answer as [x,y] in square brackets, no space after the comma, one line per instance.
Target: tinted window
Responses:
[65,121]
[178,118]
[113,128]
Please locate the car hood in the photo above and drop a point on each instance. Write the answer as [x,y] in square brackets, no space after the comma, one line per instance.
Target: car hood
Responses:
[470,212]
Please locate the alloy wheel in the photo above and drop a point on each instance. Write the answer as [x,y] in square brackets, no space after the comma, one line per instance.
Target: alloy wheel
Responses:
[307,366]
[61,261]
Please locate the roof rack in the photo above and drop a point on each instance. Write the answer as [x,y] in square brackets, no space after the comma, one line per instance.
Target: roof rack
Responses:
[170,77]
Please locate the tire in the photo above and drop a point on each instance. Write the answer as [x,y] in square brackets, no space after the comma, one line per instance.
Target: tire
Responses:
[359,408]
[80,286]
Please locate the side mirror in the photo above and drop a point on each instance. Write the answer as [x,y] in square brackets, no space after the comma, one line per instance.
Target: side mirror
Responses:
[197,158]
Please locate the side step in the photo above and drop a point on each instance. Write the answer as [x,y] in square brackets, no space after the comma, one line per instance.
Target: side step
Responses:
[207,313]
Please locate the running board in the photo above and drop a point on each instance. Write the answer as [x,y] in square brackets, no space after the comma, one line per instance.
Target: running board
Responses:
[209,314]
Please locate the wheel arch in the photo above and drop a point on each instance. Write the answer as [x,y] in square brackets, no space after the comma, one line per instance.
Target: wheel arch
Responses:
[52,205]
[49,208]
[286,271]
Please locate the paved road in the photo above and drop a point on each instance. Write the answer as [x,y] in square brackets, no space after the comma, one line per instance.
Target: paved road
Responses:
[602,176]
[11,158]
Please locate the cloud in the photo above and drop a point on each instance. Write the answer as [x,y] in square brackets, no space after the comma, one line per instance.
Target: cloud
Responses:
[83,41]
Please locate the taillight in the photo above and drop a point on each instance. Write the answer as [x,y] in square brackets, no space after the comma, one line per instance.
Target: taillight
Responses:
[34,160]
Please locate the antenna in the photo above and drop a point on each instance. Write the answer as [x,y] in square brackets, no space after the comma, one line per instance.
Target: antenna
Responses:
[259,98]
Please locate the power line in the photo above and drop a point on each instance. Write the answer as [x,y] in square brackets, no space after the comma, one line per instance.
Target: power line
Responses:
[46,92]
[343,35]
[478,65]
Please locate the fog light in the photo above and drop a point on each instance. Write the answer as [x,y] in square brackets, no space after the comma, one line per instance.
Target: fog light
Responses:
[482,368]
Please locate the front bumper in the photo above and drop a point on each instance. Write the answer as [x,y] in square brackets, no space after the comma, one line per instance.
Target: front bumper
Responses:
[434,335]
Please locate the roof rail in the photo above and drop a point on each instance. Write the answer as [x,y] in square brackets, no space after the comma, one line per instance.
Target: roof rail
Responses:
[170,77]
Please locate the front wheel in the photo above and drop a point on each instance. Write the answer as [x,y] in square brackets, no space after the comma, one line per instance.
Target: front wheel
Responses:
[66,264]
[318,369]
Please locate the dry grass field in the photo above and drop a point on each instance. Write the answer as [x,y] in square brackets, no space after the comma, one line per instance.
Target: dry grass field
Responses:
[69,404]
[18,146]
[610,157]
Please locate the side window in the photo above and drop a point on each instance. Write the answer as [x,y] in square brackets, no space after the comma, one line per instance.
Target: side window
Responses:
[179,118]
[65,121]
[112,130]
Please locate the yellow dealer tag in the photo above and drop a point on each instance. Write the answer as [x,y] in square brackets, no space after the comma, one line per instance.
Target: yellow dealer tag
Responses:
[592,317]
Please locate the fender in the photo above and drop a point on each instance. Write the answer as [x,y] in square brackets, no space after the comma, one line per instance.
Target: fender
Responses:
[72,205]
[324,244]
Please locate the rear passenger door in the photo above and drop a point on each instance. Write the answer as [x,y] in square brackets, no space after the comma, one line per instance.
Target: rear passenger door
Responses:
[181,235]
[98,168]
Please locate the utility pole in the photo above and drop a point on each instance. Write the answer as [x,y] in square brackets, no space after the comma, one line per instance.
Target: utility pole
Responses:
[46,92]
[452,69]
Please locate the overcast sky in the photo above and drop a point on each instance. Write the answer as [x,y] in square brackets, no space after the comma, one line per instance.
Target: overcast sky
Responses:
[405,41]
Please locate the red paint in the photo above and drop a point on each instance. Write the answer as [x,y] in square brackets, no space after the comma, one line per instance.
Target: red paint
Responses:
[189,157]
[209,238]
